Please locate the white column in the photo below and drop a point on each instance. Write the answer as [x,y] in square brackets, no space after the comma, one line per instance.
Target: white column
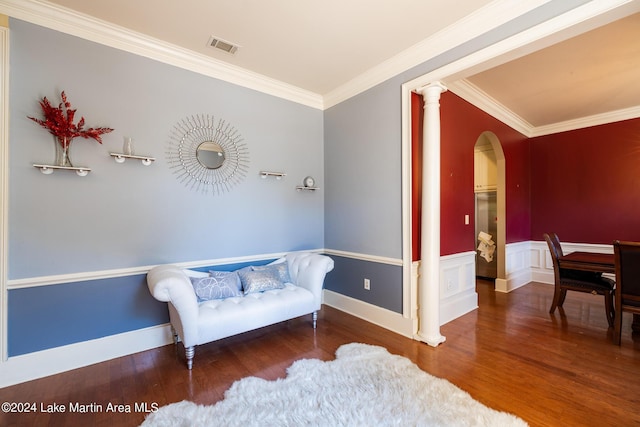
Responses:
[429,277]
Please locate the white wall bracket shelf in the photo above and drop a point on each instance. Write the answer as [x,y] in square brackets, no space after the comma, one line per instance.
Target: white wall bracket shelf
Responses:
[121,157]
[48,169]
[276,175]
[302,187]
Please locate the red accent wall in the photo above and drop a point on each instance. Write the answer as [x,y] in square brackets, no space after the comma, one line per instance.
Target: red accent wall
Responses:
[586,184]
[582,184]
[461,125]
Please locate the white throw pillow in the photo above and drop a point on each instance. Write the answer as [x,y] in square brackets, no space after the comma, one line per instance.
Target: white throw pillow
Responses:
[259,280]
[219,285]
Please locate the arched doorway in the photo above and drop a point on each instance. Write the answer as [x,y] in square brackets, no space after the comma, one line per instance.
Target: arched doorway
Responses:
[489,189]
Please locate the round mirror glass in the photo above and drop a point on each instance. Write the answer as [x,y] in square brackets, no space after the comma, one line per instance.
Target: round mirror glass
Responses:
[210,155]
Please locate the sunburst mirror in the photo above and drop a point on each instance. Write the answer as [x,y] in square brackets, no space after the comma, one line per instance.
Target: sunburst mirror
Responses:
[207,156]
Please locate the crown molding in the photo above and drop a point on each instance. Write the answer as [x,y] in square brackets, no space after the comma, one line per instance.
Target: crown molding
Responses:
[68,21]
[496,13]
[585,122]
[475,96]
[80,25]
[589,15]
[481,21]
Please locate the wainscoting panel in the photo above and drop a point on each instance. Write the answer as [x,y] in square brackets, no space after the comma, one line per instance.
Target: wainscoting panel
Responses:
[518,267]
[530,261]
[457,285]
[542,265]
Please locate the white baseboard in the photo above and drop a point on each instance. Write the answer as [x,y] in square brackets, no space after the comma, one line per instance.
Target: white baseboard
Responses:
[457,305]
[514,281]
[371,313]
[450,309]
[27,367]
[529,261]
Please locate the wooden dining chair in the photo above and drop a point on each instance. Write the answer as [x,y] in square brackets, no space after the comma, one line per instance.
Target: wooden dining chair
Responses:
[578,280]
[627,259]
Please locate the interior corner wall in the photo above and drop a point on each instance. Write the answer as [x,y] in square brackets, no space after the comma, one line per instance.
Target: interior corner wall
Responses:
[363,143]
[363,205]
[585,184]
[124,216]
[462,124]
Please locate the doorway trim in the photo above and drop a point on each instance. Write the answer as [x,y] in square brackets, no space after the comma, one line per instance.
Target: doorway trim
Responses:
[547,33]
[501,211]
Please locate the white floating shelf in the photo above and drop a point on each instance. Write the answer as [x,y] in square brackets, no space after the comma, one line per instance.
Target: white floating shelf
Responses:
[121,157]
[48,169]
[276,175]
[302,187]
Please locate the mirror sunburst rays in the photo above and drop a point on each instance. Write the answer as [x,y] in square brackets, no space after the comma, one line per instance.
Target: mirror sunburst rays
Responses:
[200,133]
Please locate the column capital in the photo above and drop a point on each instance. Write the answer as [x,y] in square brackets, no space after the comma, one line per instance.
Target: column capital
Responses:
[433,88]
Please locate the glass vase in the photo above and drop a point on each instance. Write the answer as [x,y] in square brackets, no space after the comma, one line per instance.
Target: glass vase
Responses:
[63,145]
[127,146]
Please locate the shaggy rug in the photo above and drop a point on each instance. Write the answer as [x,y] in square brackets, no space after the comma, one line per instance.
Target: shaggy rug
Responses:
[364,386]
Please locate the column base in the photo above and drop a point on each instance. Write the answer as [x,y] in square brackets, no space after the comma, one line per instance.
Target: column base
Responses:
[433,340]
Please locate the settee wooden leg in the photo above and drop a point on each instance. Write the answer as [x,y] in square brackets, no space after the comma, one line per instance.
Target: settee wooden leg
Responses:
[189,351]
[314,316]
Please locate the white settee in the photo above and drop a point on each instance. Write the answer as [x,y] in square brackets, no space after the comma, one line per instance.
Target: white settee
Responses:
[198,322]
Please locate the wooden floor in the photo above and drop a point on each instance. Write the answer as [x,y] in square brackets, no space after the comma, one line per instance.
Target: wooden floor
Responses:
[510,354]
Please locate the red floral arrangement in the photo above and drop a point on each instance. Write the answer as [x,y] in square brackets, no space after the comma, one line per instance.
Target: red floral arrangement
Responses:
[59,122]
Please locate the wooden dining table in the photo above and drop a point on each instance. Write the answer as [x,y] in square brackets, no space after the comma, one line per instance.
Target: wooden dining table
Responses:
[594,261]
[588,261]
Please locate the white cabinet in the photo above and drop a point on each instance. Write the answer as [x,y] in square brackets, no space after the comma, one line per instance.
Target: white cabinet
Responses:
[485,169]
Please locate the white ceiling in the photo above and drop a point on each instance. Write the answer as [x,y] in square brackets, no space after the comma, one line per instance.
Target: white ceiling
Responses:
[587,75]
[314,45]
[321,47]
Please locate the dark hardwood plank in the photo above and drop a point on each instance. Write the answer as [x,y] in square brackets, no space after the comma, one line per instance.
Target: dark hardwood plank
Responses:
[510,354]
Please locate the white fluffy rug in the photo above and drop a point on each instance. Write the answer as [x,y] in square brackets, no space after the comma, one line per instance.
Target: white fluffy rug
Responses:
[364,386]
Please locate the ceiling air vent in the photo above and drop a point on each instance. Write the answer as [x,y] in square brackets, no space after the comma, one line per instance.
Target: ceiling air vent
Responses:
[218,43]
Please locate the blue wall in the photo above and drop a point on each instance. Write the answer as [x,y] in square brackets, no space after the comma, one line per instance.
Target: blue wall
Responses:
[347,278]
[127,215]
[51,316]
[55,315]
